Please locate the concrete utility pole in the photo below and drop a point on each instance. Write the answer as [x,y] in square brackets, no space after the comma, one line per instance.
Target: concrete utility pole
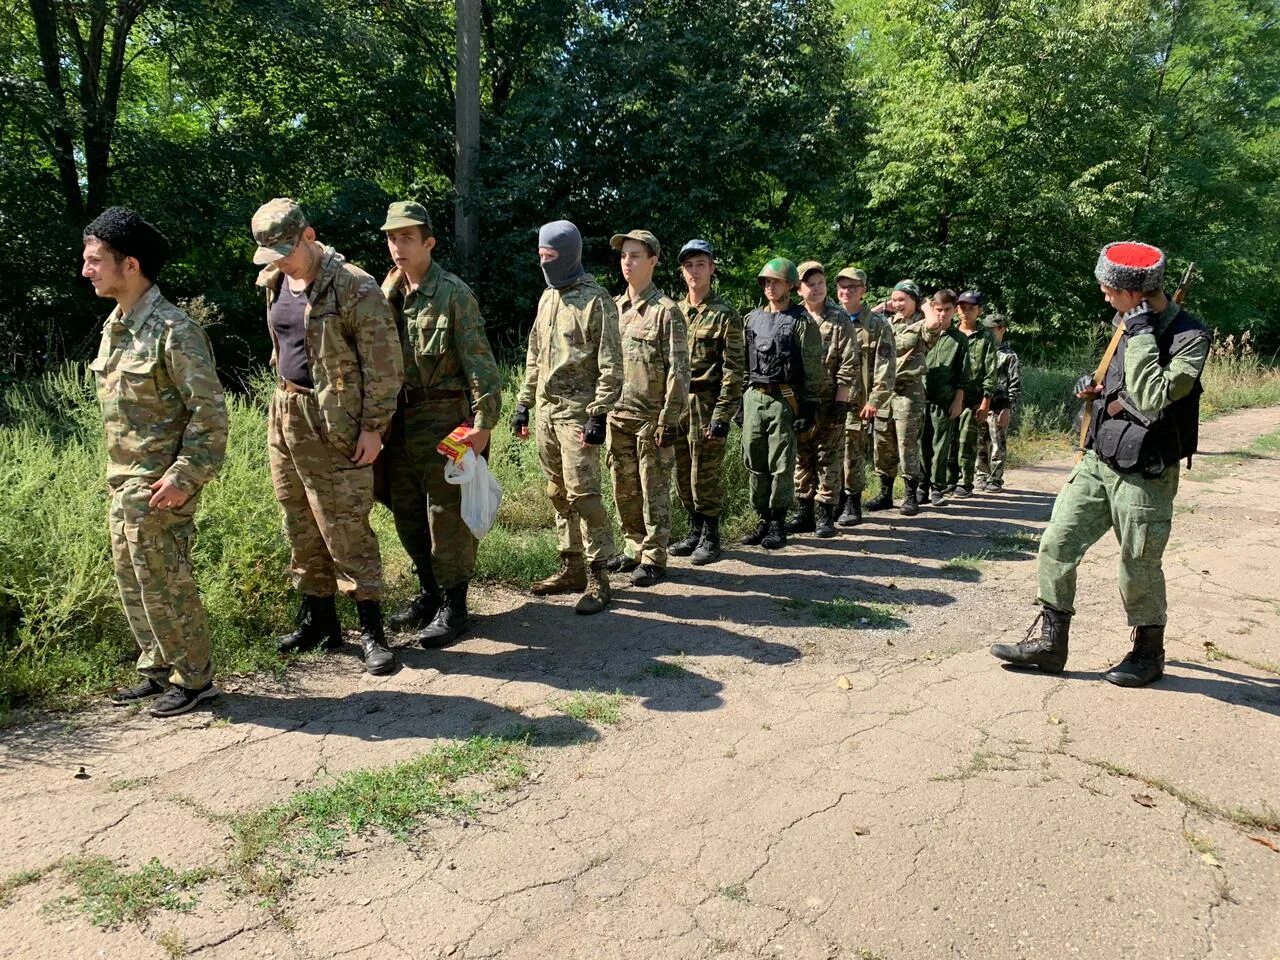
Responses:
[467,130]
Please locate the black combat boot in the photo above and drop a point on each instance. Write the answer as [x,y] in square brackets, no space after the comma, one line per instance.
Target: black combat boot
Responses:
[910,505]
[373,643]
[802,522]
[421,609]
[850,509]
[826,525]
[776,538]
[1145,662]
[756,536]
[450,622]
[884,499]
[317,626]
[709,549]
[922,493]
[682,548]
[1048,651]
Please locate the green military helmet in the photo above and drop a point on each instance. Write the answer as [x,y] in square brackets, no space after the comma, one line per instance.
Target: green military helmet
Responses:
[780,268]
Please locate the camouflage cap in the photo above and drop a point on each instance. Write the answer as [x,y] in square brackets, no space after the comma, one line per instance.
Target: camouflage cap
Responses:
[993,320]
[406,213]
[277,226]
[808,267]
[910,288]
[694,247]
[855,274]
[644,236]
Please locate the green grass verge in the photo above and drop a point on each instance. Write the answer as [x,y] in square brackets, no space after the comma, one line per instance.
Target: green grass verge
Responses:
[110,896]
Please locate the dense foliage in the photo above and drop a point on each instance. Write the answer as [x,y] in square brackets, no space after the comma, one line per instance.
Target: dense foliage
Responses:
[988,142]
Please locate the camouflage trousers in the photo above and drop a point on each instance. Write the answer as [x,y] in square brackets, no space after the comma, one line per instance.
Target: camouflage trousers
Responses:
[768,450]
[1094,500]
[641,489]
[427,508]
[857,453]
[898,427]
[937,441]
[151,552]
[964,452]
[993,450]
[325,500]
[573,485]
[700,461]
[820,459]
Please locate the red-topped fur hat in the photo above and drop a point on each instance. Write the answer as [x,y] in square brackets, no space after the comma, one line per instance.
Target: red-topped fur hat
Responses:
[1130,265]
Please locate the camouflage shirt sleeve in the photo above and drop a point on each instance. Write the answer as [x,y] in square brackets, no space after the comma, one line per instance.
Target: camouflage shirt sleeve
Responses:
[850,357]
[476,357]
[604,324]
[188,358]
[886,365]
[528,394]
[380,354]
[734,368]
[676,396]
[1015,378]
[989,367]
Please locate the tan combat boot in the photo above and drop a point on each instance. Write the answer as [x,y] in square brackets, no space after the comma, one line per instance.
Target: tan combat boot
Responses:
[570,578]
[597,595]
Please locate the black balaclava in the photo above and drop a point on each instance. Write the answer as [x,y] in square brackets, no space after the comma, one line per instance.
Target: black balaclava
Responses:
[562,237]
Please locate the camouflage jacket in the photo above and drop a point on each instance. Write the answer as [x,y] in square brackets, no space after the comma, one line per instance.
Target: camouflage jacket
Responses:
[947,368]
[841,353]
[912,339]
[1008,378]
[445,346]
[573,367]
[655,359]
[878,358]
[717,353]
[162,404]
[981,380]
[352,348]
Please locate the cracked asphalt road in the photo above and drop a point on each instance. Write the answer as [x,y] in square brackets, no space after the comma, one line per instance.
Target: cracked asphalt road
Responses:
[777,788]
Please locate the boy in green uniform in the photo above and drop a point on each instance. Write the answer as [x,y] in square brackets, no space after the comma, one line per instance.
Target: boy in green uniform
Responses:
[993,431]
[947,370]
[979,388]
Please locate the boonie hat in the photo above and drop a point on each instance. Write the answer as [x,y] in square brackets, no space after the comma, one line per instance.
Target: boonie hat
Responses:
[644,236]
[277,227]
[406,213]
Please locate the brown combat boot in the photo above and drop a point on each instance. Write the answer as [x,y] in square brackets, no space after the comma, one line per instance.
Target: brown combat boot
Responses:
[570,578]
[597,595]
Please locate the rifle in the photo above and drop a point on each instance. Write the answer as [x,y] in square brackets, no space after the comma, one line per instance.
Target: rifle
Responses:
[1086,414]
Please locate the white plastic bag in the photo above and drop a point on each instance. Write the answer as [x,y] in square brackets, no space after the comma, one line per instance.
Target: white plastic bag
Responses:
[481,494]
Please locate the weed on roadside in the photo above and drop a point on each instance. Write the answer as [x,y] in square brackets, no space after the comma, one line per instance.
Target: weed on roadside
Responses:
[592,706]
[969,561]
[128,783]
[1214,652]
[110,895]
[173,943]
[1014,544]
[18,880]
[982,761]
[1268,819]
[737,892]
[843,613]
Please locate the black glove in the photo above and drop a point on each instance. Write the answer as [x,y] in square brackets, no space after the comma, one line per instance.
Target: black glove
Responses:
[737,418]
[520,419]
[719,429]
[1141,319]
[839,410]
[803,421]
[593,430]
[664,435]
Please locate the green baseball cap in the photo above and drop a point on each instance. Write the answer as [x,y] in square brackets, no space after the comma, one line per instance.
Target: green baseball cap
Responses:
[407,213]
[277,227]
[644,236]
[808,267]
[853,273]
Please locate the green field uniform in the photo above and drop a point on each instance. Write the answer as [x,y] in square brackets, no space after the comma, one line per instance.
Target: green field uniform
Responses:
[874,385]
[165,418]
[993,439]
[573,370]
[899,422]
[1150,376]
[355,364]
[654,398]
[820,455]
[716,359]
[946,371]
[450,376]
[981,384]
[776,360]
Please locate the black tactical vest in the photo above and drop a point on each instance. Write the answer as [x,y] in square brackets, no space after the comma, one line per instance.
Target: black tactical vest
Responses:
[1125,442]
[773,347]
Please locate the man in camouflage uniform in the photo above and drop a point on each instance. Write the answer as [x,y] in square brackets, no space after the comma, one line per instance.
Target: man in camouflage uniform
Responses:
[166,434]
[784,369]
[978,391]
[993,432]
[572,379]
[820,455]
[645,421]
[716,357]
[1143,419]
[946,372]
[872,388]
[898,425]
[450,378]
[339,368]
